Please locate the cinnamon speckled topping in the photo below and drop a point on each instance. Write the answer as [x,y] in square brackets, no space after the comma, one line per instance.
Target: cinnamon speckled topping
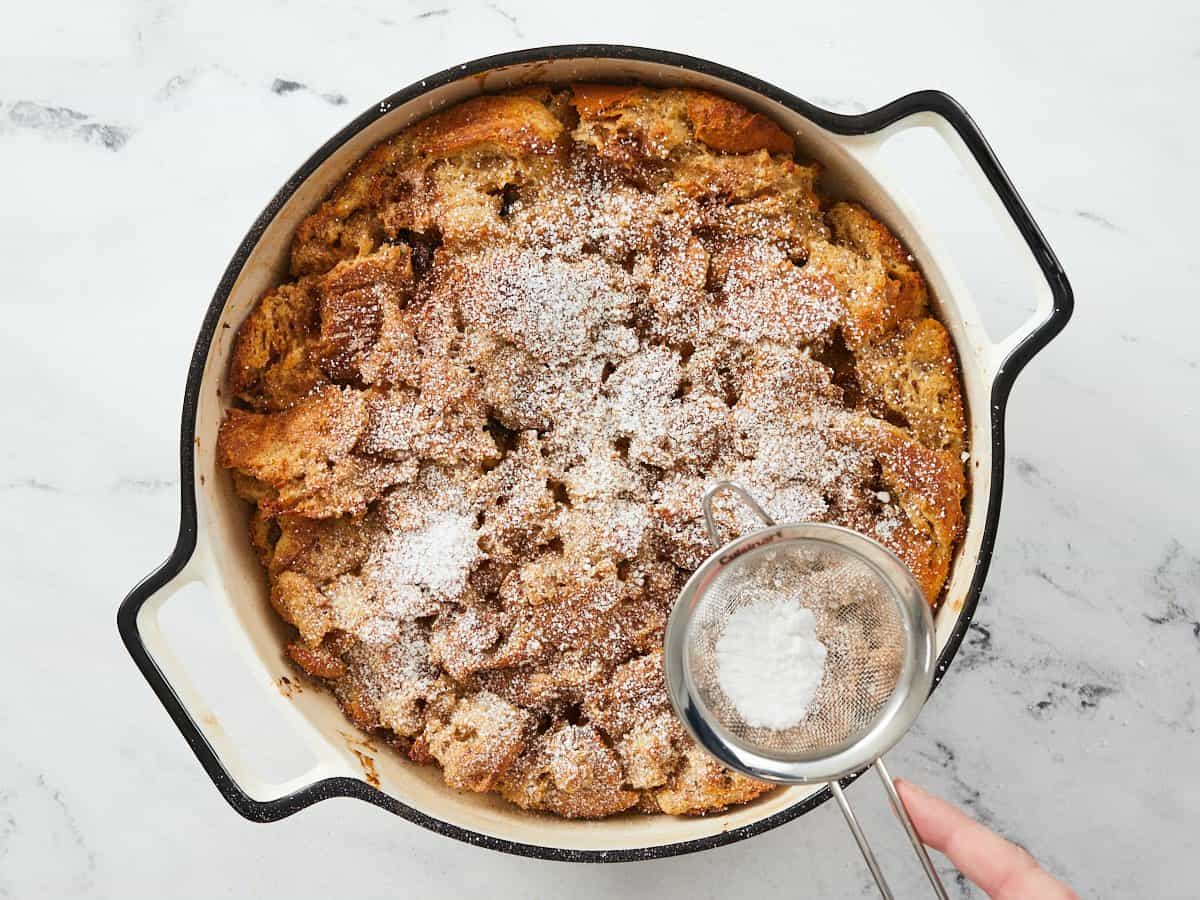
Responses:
[517,343]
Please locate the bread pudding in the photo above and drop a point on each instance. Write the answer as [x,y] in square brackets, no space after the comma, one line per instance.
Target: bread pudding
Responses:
[517,343]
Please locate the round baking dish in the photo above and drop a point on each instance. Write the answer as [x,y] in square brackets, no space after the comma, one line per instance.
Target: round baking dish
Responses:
[212,547]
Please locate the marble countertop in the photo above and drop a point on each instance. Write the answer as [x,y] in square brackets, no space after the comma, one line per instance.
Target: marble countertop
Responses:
[138,138]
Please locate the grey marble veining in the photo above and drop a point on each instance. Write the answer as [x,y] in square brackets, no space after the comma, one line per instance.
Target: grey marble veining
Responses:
[139,139]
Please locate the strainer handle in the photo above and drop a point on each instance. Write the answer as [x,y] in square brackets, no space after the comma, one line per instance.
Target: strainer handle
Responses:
[902,814]
[861,839]
[732,487]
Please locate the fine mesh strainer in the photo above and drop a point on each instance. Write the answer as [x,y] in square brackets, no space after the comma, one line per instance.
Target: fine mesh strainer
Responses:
[871,616]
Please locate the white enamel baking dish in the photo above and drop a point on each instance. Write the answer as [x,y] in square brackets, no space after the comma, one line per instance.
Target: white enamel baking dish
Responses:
[213,548]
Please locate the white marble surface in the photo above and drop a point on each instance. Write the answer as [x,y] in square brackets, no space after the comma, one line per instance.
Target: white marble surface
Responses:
[138,138]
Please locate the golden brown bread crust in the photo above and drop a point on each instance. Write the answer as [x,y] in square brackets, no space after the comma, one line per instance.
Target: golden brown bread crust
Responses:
[731,128]
[906,364]
[394,187]
[303,456]
[520,340]
[656,116]
[271,367]
[354,297]
[504,123]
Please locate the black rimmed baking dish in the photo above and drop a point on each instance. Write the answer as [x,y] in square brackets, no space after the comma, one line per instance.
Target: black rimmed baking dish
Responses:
[212,547]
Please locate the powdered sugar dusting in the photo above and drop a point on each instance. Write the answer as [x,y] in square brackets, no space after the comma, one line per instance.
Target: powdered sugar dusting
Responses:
[544,304]
[432,561]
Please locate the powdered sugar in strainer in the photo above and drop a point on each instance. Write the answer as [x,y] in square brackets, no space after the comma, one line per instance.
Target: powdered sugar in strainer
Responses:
[873,674]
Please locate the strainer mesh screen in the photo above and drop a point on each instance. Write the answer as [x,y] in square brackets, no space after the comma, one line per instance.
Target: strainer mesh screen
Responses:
[857,618]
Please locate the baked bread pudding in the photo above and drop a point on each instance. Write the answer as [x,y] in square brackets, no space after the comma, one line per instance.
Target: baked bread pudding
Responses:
[517,343]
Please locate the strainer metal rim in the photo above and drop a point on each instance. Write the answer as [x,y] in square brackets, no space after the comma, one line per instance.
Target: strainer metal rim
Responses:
[889,726]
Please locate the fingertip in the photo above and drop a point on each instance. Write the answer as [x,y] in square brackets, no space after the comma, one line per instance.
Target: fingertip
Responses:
[907,788]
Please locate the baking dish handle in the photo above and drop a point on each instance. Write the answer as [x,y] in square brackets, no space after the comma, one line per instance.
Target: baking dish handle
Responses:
[1055,300]
[255,799]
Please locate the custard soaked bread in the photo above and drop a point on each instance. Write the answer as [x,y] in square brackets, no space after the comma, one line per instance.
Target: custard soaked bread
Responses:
[519,340]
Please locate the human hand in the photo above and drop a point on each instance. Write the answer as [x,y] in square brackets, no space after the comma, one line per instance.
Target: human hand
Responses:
[1000,869]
